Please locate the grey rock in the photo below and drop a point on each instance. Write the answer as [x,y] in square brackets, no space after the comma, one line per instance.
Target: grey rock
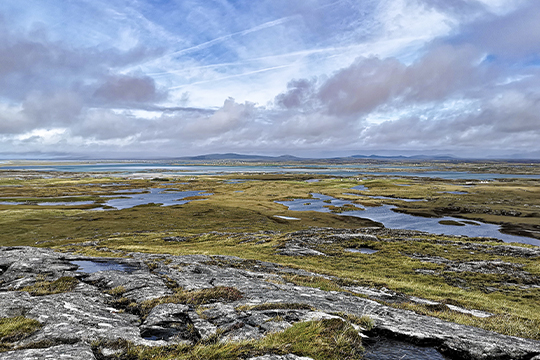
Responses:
[293,250]
[170,322]
[85,314]
[280,357]
[67,352]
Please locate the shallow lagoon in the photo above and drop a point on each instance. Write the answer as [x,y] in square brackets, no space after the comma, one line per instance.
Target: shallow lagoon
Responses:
[395,220]
[166,197]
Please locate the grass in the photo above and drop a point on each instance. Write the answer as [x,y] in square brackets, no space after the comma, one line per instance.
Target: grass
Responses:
[322,340]
[62,285]
[233,214]
[13,329]
[196,297]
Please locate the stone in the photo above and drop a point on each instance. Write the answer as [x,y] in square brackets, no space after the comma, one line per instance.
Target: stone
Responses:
[280,357]
[170,322]
[64,352]
[74,319]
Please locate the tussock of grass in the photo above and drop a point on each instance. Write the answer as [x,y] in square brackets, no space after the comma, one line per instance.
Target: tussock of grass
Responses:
[313,281]
[117,291]
[505,324]
[62,285]
[363,321]
[198,297]
[14,329]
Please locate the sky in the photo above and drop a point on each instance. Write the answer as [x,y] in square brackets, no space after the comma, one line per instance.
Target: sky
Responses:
[312,78]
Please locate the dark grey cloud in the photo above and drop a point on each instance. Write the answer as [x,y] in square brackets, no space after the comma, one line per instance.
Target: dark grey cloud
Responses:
[128,89]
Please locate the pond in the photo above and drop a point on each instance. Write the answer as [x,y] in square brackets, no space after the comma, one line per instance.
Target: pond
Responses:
[92,266]
[394,220]
[165,197]
[367,251]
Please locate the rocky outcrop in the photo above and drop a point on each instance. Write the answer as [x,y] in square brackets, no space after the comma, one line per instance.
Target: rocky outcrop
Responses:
[108,305]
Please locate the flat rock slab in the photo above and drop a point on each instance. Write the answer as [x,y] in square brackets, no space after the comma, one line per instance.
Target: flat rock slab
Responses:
[74,319]
[63,352]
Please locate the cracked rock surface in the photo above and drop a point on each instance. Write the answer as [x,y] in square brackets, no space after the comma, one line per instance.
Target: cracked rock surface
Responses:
[72,320]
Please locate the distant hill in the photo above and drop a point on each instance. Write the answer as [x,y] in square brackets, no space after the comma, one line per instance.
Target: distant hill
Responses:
[239,157]
[242,157]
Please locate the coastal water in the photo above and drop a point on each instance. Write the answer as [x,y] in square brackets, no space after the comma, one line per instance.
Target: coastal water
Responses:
[131,168]
[395,220]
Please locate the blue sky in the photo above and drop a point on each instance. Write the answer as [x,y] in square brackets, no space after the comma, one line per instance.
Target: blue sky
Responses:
[141,79]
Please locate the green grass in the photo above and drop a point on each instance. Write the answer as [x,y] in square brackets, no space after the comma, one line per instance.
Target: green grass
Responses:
[196,297]
[62,285]
[232,214]
[322,340]
[13,329]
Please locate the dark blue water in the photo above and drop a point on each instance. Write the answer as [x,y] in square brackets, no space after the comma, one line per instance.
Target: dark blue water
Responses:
[396,220]
[90,266]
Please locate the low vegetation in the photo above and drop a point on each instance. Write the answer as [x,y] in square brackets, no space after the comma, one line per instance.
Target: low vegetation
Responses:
[331,339]
[13,329]
[62,285]
[239,220]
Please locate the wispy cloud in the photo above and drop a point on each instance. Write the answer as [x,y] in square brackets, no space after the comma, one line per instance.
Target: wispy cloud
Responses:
[173,78]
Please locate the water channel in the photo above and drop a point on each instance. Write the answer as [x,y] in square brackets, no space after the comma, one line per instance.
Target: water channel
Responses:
[394,220]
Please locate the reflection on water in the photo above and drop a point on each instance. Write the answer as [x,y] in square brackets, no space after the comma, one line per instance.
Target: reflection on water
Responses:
[389,349]
[396,220]
[166,197]
[89,266]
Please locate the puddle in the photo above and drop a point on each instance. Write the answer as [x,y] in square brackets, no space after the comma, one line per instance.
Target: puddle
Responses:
[313,180]
[362,250]
[165,197]
[360,187]
[12,203]
[389,349]
[395,220]
[90,266]
[454,192]
[286,217]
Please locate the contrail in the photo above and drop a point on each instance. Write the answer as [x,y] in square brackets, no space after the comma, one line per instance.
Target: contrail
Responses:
[232,76]
[209,43]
